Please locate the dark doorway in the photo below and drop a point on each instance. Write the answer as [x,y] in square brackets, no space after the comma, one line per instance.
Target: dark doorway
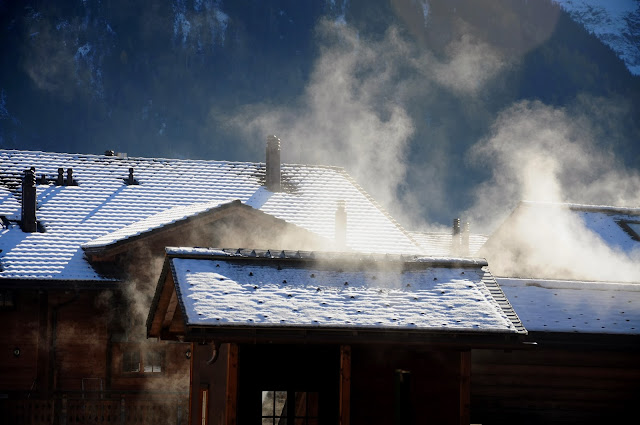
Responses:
[288,384]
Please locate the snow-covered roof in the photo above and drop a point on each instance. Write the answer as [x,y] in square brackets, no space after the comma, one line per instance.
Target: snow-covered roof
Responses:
[103,209]
[603,220]
[574,306]
[439,243]
[227,289]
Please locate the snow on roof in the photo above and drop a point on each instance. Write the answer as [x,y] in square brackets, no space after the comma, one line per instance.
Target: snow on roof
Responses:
[603,220]
[156,221]
[102,203]
[439,243]
[442,295]
[575,306]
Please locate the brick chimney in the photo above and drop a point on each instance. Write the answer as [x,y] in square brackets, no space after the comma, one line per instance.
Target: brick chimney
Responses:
[273,180]
[28,216]
[341,226]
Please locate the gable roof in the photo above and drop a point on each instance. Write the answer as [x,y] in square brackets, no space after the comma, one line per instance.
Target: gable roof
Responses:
[234,294]
[102,209]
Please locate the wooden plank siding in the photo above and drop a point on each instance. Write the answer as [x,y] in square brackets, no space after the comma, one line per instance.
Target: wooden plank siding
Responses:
[553,386]
[28,324]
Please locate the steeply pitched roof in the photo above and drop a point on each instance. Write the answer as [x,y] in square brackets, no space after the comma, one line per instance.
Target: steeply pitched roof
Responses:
[241,290]
[574,306]
[97,211]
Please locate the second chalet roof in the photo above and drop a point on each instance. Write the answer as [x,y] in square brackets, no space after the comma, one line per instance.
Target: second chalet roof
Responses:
[100,209]
[557,306]
[242,289]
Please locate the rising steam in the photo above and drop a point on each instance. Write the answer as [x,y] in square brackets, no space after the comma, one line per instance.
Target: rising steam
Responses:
[544,154]
[354,110]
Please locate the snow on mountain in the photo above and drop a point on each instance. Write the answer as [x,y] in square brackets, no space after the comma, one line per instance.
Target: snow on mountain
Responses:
[615,22]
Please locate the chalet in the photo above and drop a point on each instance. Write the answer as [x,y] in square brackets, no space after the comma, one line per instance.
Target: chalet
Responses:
[83,243]
[571,273]
[329,337]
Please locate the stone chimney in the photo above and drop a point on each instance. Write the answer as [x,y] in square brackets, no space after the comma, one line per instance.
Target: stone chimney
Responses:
[341,226]
[455,237]
[28,217]
[273,177]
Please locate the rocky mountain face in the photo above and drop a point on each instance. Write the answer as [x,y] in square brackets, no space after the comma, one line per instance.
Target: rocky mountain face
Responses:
[615,23]
[400,92]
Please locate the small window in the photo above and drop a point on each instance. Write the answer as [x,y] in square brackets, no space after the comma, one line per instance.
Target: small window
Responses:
[153,361]
[140,361]
[295,407]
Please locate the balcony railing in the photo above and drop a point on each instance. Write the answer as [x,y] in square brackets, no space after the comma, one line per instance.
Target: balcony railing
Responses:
[102,407]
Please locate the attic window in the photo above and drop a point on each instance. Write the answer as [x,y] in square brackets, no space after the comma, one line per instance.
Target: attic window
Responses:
[632,228]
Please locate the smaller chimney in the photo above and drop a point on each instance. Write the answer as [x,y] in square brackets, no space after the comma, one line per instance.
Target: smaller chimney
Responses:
[28,218]
[341,226]
[273,177]
[455,237]
[131,180]
[69,177]
[60,179]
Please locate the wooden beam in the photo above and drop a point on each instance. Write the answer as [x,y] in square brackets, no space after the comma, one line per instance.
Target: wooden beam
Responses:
[43,372]
[161,308]
[177,326]
[232,385]
[465,387]
[171,308]
[345,384]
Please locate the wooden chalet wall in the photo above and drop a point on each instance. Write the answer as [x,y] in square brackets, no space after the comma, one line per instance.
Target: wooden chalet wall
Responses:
[408,385]
[359,384]
[60,341]
[23,327]
[554,386]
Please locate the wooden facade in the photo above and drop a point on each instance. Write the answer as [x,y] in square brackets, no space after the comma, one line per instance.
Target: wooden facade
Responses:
[61,361]
[70,342]
[560,383]
[329,384]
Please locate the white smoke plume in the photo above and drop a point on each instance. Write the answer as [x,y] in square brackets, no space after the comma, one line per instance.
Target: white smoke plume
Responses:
[545,154]
[354,110]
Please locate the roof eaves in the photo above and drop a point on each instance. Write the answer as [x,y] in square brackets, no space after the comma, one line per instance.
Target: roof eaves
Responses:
[496,292]
[114,247]
[53,284]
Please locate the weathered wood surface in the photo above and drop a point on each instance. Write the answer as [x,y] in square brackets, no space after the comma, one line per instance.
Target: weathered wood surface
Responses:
[553,386]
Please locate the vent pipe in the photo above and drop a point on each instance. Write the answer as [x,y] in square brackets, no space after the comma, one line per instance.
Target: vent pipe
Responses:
[341,226]
[60,179]
[455,237]
[273,177]
[69,176]
[28,218]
